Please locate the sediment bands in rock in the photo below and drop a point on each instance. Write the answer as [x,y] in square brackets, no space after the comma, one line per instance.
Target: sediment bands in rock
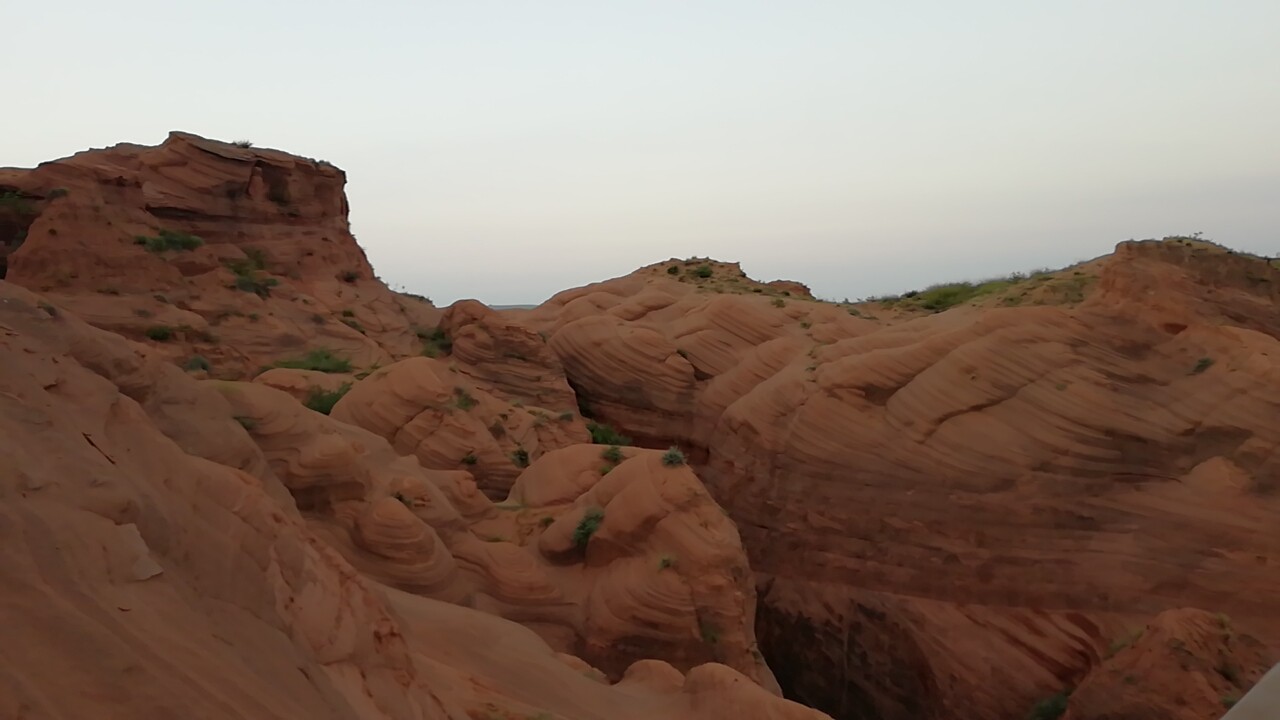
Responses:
[965,509]
[178,545]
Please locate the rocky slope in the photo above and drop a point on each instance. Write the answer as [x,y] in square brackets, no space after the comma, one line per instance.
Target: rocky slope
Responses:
[964,509]
[1058,496]
[231,553]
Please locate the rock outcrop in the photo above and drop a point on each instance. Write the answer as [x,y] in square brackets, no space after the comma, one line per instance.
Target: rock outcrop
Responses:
[229,553]
[237,256]
[964,509]
[920,513]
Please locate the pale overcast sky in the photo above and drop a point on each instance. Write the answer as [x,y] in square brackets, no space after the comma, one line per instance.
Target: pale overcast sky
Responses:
[507,150]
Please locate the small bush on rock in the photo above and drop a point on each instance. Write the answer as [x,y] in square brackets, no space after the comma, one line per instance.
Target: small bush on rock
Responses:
[673,457]
[587,527]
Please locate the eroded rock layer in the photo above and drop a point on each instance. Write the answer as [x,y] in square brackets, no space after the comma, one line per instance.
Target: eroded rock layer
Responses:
[964,509]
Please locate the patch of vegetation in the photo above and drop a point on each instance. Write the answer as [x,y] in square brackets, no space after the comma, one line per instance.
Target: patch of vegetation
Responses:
[1229,672]
[673,270]
[353,325]
[602,434]
[469,459]
[566,417]
[320,360]
[1202,364]
[435,343]
[613,454]
[168,240]
[520,457]
[463,399]
[710,633]
[159,333]
[243,144]
[349,276]
[666,561]
[249,273]
[673,457]
[805,324]
[587,527]
[197,362]
[605,469]
[15,203]
[246,422]
[1051,708]
[703,271]
[322,401]
[779,302]
[1124,641]
[546,521]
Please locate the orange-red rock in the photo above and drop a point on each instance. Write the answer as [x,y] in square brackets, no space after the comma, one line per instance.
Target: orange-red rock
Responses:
[222,550]
[960,510]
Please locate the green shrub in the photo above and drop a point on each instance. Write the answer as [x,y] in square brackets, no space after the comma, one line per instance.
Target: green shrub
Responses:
[779,302]
[322,401]
[520,457]
[159,333]
[710,633]
[673,270]
[435,343]
[602,434]
[15,203]
[703,271]
[249,273]
[321,360]
[469,459]
[1051,708]
[665,562]
[243,144]
[587,527]
[546,521]
[1202,364]
[168,240]
[673,457]
[463,399]
[256,284]
[197,362]
[613,454]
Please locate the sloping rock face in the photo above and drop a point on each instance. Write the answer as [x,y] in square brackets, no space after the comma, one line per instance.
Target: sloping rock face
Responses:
[230,554]
[964,510]
[1186,665]
[106,234]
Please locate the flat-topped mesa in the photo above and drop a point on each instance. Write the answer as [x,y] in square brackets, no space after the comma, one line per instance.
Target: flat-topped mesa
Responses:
[230,257]
[83,216]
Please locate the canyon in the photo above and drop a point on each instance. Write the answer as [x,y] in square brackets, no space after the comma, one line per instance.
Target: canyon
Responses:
[249,480]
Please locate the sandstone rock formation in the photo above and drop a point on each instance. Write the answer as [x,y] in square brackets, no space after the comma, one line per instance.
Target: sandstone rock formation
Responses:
[212,549]
[958,514]
[232,554]
[1186,664]
[108,235]
[964,509]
